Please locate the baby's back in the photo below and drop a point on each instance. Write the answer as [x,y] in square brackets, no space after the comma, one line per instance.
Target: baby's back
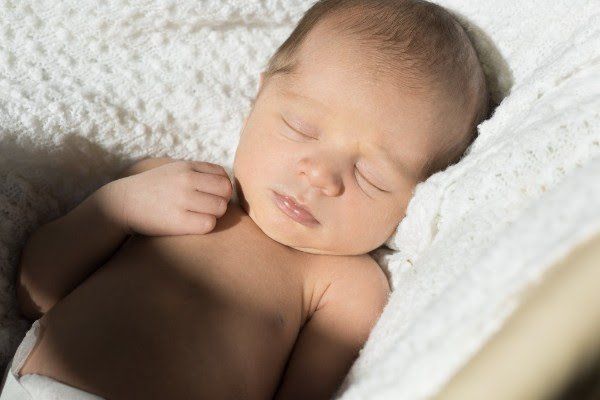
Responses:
[197,316]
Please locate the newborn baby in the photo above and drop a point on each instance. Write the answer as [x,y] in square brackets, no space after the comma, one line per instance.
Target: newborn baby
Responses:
[160,285]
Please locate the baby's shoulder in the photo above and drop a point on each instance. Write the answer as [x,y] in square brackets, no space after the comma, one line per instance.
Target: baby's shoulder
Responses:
[352,276]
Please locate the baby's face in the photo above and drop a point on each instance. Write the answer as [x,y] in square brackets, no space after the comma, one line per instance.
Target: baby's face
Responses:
[344,145]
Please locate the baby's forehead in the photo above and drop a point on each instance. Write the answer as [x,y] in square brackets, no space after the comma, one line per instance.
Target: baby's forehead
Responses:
[325,48]
[386,89]
[328,87]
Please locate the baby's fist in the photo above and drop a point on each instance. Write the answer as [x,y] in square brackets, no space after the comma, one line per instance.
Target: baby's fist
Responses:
[178,198]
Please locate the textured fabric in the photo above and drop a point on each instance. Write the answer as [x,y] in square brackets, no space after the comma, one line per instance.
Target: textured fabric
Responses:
[86,88]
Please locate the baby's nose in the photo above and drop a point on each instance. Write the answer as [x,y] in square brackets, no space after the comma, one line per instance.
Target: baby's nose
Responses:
[323,175]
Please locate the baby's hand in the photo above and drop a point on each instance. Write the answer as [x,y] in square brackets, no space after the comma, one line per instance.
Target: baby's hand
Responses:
[178,198]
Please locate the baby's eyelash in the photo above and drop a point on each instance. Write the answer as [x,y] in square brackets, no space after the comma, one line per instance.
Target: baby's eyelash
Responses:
[361,175]
[296,131]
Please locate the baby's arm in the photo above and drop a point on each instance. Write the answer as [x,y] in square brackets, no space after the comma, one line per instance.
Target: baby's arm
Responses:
[61,254]
[331,339]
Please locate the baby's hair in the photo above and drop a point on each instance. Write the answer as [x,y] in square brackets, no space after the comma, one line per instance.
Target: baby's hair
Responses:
[414,39]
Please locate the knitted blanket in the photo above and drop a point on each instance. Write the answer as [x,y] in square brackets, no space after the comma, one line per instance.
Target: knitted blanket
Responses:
[87,88]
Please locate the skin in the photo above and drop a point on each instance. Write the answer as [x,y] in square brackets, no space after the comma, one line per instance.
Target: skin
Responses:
[357,192]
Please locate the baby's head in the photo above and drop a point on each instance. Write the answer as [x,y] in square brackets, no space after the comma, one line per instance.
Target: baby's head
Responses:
[363,101]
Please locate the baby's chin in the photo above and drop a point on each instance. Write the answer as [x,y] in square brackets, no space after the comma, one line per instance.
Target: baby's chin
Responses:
[279,227]
[291,234]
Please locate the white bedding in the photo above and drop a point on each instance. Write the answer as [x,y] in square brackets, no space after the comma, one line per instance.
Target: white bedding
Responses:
[87,88]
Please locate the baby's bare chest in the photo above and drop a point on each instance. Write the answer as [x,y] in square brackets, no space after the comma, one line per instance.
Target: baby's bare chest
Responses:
[214,317]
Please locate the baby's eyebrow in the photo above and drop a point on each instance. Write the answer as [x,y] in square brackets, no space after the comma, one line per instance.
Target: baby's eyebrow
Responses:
[394,163]
[315,103]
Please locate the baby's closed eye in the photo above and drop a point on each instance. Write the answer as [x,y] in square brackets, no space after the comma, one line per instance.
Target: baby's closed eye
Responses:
[291,131]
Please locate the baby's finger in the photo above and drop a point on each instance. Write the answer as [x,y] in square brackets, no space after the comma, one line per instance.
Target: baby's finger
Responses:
[197,223]
[207,167]
[208,203]
[211,183]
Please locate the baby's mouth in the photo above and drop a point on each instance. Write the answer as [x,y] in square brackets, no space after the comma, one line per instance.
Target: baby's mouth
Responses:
[289,206]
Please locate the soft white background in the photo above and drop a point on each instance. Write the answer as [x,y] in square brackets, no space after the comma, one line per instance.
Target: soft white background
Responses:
[86,88]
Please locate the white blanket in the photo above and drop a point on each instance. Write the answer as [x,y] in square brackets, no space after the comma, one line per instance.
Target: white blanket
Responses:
[86,88]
